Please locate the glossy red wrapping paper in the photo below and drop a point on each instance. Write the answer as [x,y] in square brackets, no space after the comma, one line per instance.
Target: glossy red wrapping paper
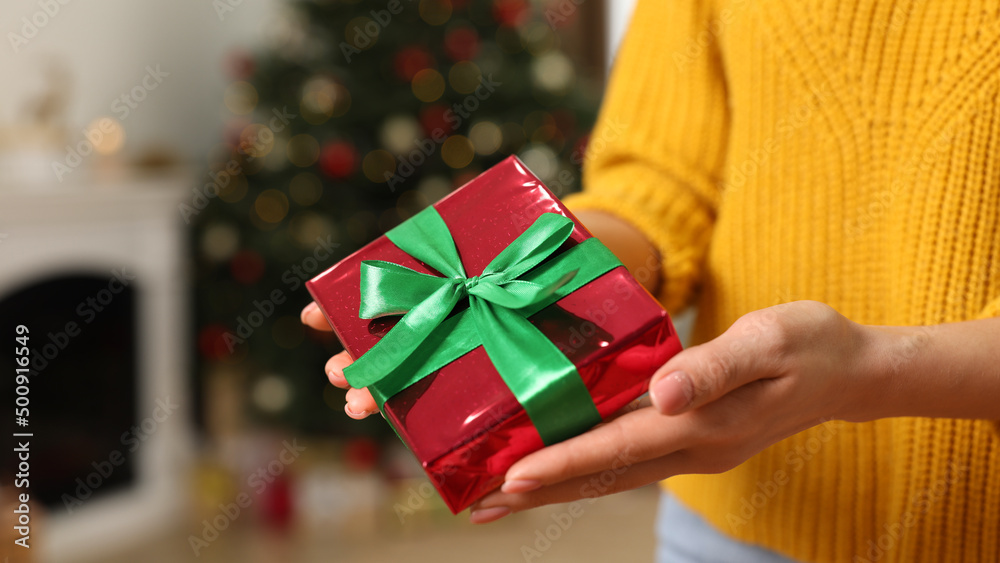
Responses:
[462,422]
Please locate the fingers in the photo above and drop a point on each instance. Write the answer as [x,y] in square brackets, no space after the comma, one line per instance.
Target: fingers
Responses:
[633,437]
[589,487]
[313,317]
[702,374]
[360,404]
[335,369]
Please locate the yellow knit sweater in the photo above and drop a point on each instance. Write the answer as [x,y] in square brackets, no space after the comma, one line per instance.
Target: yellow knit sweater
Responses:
[846,151]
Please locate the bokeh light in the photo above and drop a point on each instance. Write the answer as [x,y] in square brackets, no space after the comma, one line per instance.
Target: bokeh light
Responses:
[303,150]
[272,393]
[307,226]
[434,187]
[240,97]
[465,77]
[362,33]
[232,191]
[378,164]
[107,135]
[220,241]
[410,203]
[428,85]
[486,137]
[271,205]
[541,160]
[457,151]
[553,72]
[256,140]
[305,188]
[398,133]
[435,12]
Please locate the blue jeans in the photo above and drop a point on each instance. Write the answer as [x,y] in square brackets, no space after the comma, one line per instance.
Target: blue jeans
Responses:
[683,537]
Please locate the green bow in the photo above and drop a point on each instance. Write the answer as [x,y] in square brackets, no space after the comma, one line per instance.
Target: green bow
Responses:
[512,287]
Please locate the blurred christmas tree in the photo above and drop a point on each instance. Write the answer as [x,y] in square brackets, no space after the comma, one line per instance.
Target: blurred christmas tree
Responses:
[363,113]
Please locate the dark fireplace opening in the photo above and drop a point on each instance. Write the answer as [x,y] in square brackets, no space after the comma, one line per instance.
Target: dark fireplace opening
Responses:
[83,385]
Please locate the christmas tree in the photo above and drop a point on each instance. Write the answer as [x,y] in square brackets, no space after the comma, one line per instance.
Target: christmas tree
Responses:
[361,114]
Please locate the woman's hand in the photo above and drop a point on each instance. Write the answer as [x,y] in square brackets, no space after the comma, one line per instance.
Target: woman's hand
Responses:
[360,403]
[774,373]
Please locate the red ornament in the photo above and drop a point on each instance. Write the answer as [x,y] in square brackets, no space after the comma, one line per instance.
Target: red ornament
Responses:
[277,504]
[212,342]
[338,159]
[436,118]
[361,454]
[461,44]
[240,64]
[246,267]
[411,60]
[510,13]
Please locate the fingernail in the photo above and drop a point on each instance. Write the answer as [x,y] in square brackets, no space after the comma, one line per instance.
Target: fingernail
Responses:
[672,393]
[352,414]
[520,486]
[309,309]
[486,515]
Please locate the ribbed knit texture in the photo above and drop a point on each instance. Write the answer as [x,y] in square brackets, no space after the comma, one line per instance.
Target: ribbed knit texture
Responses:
[846,151]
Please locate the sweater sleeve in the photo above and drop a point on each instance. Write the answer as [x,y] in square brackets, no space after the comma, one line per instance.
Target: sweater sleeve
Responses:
[991,310]
[659,143]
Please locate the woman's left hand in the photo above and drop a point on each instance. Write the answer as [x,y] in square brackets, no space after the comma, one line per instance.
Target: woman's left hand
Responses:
[774,373]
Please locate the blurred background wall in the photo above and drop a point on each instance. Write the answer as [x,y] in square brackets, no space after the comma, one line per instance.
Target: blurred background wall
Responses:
[101,50]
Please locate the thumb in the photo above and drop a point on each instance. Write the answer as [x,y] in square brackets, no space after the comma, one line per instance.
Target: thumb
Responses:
[704,373]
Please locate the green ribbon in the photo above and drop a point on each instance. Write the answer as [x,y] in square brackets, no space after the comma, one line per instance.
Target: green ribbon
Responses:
[513,286]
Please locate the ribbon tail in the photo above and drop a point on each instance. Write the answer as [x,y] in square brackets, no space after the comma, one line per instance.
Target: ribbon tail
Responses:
[542,379]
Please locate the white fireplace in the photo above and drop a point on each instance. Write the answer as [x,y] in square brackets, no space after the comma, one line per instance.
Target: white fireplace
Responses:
[129,233]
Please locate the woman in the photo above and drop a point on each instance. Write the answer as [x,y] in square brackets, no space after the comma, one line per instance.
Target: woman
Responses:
[822,179]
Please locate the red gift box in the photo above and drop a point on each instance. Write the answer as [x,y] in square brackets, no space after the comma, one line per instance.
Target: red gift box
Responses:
[462,422]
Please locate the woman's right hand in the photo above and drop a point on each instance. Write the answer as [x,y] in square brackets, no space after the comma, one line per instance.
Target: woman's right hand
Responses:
[360,403]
